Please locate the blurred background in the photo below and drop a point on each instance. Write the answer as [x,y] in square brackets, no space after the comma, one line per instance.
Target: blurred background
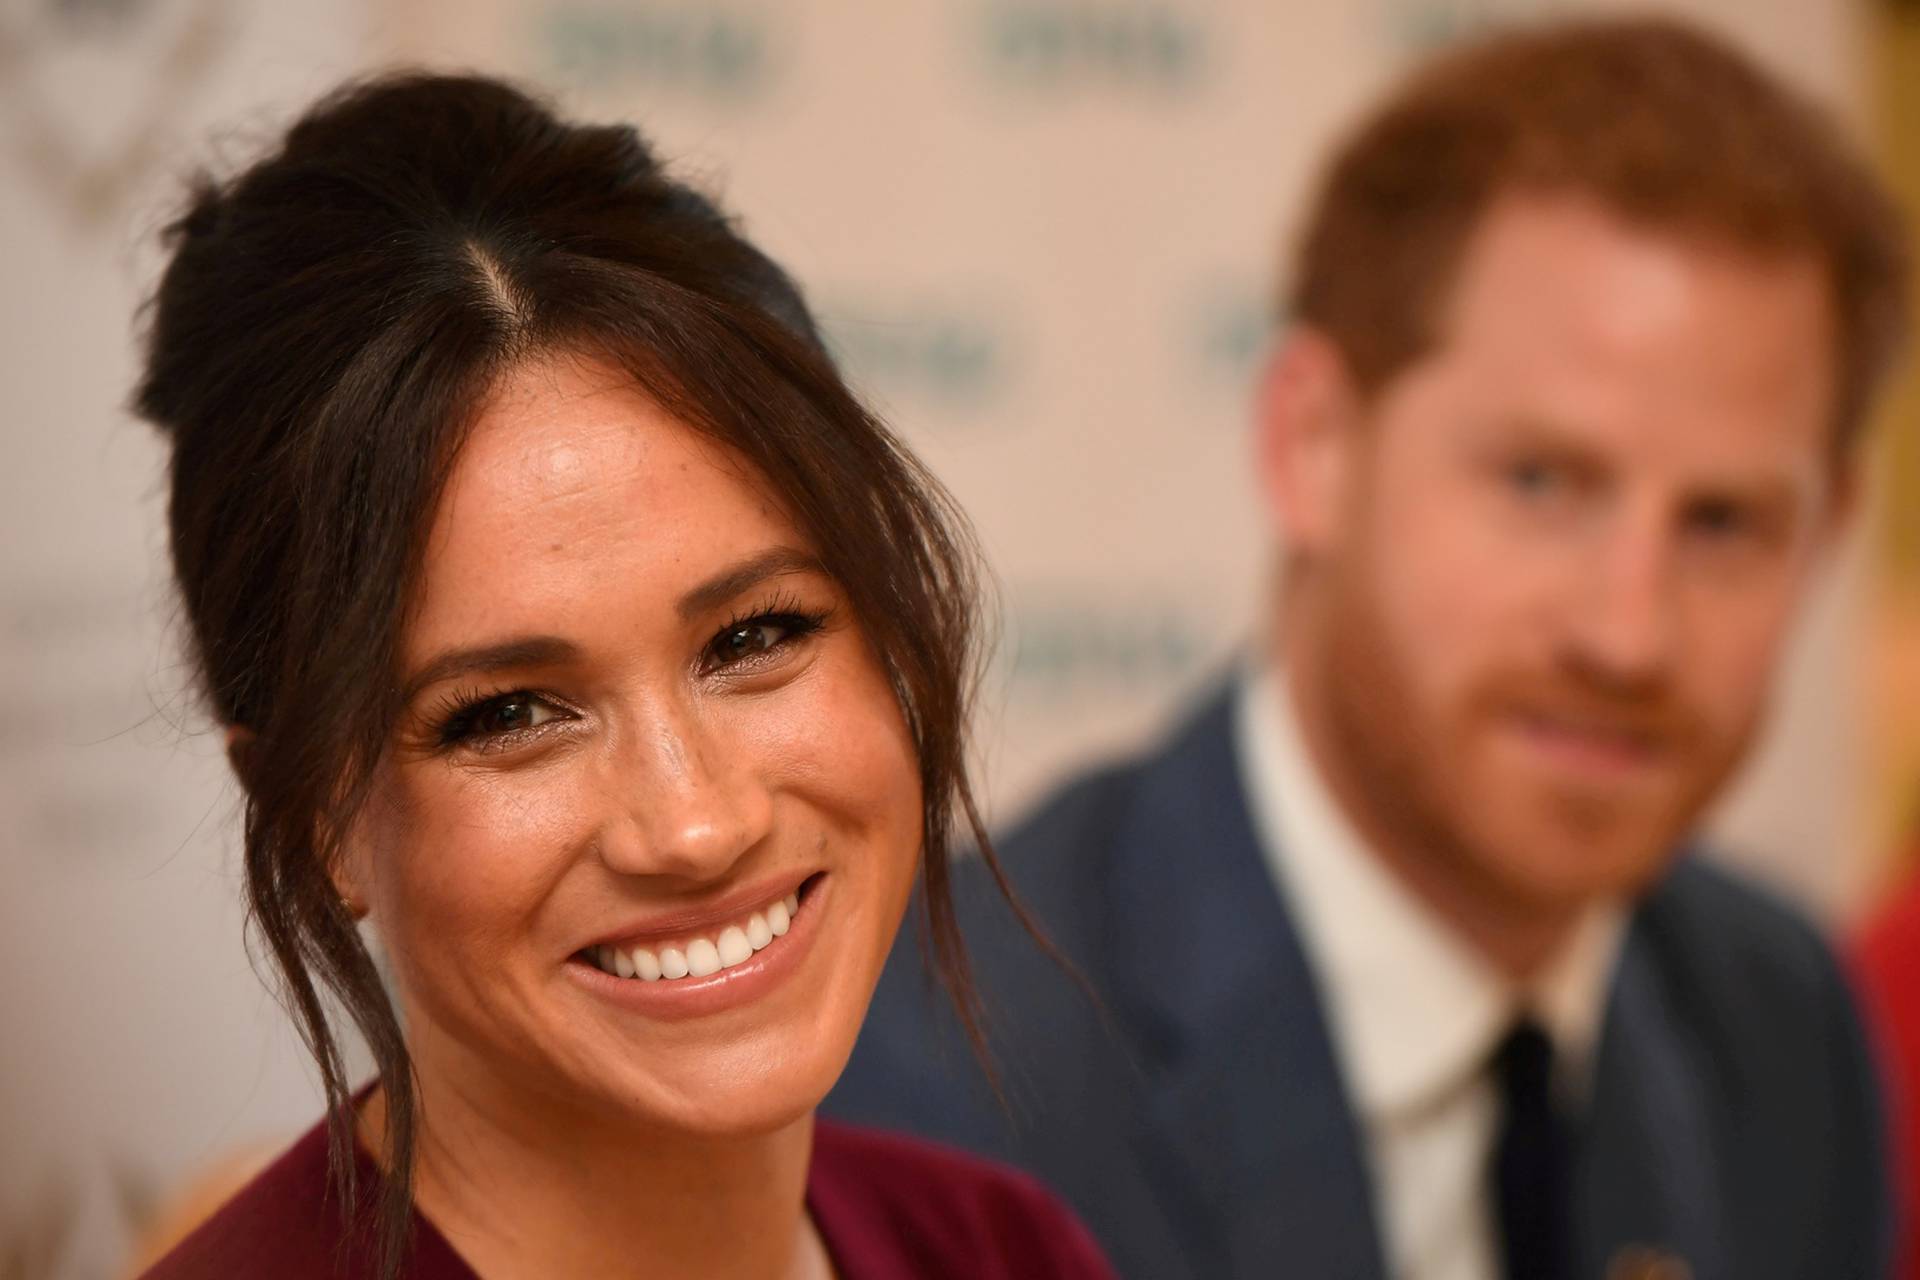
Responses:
[1043,235]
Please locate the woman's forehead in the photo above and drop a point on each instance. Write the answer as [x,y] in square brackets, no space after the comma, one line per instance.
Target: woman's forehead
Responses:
[575,487]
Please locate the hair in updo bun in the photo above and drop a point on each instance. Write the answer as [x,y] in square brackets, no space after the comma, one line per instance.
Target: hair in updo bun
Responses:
[329,322]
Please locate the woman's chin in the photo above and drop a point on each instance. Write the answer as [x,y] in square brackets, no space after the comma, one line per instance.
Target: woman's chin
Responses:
[735,1090]
[747,1110]
[752,1067]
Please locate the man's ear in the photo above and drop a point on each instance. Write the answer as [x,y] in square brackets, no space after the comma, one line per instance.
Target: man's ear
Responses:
[1844,499]
[1308,415]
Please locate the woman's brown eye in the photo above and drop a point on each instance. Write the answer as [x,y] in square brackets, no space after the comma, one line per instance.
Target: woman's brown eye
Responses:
[746,641]
[508,714]
[760,634]
[481,719]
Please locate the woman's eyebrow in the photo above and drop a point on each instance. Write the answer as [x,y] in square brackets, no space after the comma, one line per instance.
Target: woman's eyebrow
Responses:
[730,582]
[549,651]
[521,651]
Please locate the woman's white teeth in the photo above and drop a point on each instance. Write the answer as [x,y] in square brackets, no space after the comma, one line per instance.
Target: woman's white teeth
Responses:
[733,947]
[702,957]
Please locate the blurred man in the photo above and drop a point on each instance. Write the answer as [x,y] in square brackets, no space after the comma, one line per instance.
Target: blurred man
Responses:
[1403,968]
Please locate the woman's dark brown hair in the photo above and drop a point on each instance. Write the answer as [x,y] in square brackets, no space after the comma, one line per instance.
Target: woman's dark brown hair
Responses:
[327,326]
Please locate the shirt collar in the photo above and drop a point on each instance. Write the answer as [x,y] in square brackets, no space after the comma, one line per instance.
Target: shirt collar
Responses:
[1416,1014]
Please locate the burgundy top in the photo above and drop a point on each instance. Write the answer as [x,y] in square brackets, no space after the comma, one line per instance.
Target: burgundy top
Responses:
[888,1207]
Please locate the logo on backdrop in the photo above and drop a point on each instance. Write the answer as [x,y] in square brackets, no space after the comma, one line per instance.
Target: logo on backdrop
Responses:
[1096,44]
[714,52]
[1226,324]
[1062,643]
[1415,27]
[950,360]
[163,48]
[72,654]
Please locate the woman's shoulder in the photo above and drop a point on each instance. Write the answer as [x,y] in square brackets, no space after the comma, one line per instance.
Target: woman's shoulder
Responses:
[889,1205]
[288,1223]
[284,1222]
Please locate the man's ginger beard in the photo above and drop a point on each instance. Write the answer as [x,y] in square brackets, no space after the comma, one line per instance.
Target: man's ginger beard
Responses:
[1404,771]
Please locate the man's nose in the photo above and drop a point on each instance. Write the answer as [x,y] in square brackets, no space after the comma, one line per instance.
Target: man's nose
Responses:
[1624,621]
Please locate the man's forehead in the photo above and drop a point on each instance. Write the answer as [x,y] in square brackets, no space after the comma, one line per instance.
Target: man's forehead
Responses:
[1566,314]
[1537,246]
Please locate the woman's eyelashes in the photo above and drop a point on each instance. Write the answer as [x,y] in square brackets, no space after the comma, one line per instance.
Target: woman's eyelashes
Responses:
[497,720]
[753,639]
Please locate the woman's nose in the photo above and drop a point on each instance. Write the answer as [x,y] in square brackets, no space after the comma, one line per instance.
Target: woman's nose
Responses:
[692,799]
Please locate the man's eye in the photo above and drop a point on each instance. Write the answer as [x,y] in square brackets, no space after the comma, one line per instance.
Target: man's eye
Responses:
[1535,479]
[1719,519]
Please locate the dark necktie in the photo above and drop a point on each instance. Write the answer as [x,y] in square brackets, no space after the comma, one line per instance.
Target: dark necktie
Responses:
[1532,1162]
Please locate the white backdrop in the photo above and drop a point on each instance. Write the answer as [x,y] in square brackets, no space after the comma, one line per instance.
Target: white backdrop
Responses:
[1043,234]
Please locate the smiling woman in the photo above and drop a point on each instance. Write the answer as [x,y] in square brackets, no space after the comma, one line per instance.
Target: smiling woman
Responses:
[576,628]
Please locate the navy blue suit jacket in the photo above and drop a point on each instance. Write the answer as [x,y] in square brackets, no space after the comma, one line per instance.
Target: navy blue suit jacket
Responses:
[1196,1117]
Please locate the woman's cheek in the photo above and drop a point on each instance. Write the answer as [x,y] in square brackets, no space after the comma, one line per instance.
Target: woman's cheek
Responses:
[476,848]
[844,741]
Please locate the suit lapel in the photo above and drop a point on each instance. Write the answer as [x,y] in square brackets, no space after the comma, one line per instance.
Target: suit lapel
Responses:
[1247,1127]
[1648,1180]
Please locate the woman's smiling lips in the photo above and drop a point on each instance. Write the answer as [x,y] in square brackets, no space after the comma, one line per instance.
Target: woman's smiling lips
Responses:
[694,963]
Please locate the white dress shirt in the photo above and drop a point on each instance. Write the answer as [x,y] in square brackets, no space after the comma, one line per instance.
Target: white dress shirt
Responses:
[1415,1014]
